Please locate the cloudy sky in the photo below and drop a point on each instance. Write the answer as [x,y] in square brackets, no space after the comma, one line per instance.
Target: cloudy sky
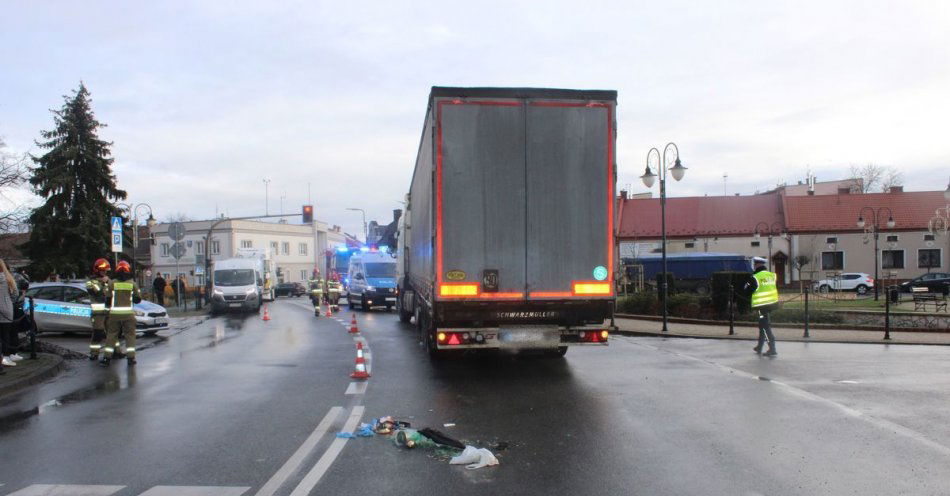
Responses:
[204,100]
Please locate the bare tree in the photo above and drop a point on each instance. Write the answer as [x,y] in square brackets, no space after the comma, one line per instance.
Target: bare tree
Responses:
[800,262]
[13,173]
[177,217]
[873,177]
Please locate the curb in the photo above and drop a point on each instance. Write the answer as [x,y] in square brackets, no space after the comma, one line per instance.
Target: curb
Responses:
[652,334]
[39,376]
[789,325]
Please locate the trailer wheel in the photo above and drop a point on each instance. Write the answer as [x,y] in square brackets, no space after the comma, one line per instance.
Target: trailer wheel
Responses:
[404,316]
[426,334]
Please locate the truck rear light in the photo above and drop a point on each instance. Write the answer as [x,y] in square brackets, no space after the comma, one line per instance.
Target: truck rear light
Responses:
[592,288]
[454,339]
[593,336]
[441,337]
[457,290]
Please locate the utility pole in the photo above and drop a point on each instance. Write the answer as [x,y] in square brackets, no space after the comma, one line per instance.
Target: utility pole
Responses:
[266,197]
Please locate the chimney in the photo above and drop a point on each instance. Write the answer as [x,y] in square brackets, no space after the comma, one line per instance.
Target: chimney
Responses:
[623,194]
[897,189]
[811,192]
[844,191]
[397,213]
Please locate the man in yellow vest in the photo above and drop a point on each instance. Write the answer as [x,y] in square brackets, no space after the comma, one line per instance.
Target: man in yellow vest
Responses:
[121,294]
[96,287]
[764,299]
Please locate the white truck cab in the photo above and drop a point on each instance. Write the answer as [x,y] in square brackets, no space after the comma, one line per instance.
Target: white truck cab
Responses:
[237,284]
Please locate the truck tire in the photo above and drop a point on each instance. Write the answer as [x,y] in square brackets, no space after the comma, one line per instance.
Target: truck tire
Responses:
[404,316]
[426,334]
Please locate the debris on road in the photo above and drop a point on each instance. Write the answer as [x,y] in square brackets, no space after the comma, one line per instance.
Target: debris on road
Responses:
[448,425]
[474,458]
[441,438]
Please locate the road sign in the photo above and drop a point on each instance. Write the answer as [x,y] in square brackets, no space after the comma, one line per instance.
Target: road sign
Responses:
[177,250]
[176,231]
[199,270]
[116,234]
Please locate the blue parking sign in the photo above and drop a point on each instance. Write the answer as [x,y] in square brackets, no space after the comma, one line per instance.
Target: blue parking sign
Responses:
[116,234]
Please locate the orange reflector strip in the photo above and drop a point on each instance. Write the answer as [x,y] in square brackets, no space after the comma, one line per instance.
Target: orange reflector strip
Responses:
[458,289]
[551,294]
[592,288]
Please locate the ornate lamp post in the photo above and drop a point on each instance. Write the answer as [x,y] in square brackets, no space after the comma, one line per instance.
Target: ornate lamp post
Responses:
[874,229]
[774,230]
[649,178]
[132,213]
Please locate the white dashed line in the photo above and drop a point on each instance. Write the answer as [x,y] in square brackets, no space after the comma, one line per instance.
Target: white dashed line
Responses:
[67,490]
[195,491]
[356,388]
[323,464]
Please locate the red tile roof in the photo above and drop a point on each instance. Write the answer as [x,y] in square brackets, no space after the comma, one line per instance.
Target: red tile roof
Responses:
[837,213]
[699,216]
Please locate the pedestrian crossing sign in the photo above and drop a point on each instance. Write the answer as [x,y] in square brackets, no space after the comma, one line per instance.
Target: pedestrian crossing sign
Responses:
[117,234]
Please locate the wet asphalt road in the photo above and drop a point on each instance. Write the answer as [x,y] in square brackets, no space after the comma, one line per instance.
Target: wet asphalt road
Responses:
[240,406]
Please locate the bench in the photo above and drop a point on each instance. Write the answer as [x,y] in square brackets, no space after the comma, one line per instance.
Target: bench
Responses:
[923,297]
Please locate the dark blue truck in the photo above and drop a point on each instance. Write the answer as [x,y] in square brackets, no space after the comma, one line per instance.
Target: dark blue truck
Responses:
[691,271]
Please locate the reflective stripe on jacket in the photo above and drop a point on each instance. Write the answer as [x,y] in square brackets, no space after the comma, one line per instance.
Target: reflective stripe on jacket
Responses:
[766,291]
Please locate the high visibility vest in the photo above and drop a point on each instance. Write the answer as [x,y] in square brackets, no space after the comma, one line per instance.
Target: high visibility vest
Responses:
[121,303]
[767,292]
[96,297]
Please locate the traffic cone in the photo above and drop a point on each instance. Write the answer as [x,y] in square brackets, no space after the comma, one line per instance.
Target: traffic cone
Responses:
[266,314]
[360,371]
[329,310]
[353,328]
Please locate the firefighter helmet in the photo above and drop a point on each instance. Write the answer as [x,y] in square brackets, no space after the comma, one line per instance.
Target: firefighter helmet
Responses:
[123,266]
[101,265]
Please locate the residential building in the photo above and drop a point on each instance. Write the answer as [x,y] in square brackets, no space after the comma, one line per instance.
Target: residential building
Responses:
[291,246]
[822,228]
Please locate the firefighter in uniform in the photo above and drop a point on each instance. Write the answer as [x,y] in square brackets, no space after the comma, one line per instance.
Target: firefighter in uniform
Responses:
[96,287]
[333,292]
[316,292]
[121,294]
[764,299]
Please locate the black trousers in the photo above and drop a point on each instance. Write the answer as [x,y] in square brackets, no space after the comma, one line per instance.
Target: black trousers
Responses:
[765,328]
[160,297]
[9,338]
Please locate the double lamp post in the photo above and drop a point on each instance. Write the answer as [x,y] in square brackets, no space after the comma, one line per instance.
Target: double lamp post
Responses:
[648,179]
[876,217]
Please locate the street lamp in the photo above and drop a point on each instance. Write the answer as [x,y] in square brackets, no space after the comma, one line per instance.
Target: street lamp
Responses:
[365,234]
[772,230]
[940,222]
[876,217]
[132,213]
[648,179]
[266,197]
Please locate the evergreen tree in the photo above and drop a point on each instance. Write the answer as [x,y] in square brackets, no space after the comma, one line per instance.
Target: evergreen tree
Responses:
[75,177]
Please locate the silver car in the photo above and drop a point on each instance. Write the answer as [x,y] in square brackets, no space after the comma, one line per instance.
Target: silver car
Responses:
[65,307]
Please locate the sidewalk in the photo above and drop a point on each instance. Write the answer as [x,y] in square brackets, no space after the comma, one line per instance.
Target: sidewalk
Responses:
[636,327]
[28,372]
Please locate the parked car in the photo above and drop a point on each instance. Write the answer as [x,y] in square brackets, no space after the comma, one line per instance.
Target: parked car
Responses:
[294,289]
[935,282]
[858,282]
[65,307]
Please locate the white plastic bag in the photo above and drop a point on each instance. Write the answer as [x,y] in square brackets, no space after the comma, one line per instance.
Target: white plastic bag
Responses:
[485,459]
[470,455]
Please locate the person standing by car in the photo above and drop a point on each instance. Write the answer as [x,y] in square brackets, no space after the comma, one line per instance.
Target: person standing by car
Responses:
[121,294]
[96,287]
[8,334]
[763,286]
[158,285]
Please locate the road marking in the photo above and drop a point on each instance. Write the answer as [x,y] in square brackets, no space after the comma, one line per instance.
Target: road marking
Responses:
[67,490]
[356,388]
[295,460]
[803,394]
[195,491]
[323,464]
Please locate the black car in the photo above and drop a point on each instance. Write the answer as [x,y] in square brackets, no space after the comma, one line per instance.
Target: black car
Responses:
[290,289]
[935,282]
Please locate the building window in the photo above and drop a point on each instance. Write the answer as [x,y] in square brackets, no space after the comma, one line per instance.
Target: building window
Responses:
[285,248]
[200,247]
[302,249]
[892,259]
[273,247]
[928,237]
[756,243]
[246,243]
[303,275]
[893,238]
[832,240]
[928,258]
[215,247]
[165,248]
[690,245]
[832,260]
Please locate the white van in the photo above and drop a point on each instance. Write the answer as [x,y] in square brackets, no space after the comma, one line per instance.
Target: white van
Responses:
[237,284]
[372,280]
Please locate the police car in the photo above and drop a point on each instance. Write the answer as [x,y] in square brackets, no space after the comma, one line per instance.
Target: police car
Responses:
[65,307]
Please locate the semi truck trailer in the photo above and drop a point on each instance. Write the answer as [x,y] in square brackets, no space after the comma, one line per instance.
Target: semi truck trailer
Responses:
[507,241]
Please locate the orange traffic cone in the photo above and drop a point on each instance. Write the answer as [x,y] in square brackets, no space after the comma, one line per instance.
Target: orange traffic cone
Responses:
[266,314]
[353,328]
[360,371]
[329,310]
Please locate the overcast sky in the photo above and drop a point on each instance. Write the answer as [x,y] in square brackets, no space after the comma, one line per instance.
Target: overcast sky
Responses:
[206,99]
